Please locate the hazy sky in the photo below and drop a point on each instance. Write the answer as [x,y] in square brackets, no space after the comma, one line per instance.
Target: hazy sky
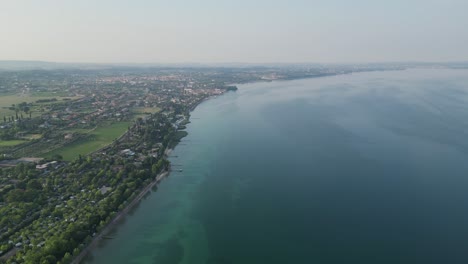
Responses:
[259,31]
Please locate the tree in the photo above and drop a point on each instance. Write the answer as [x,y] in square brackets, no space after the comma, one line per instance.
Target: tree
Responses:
[57,157]
[34,184]
[49,259]
[55,246]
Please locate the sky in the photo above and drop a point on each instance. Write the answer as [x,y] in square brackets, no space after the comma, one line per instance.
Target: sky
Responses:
[236,31]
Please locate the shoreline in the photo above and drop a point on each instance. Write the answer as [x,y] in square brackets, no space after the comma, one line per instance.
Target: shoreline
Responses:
[99,236]
[94,242]
[128,205]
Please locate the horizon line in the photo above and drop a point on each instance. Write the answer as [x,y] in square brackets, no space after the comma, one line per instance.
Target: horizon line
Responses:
[233,62]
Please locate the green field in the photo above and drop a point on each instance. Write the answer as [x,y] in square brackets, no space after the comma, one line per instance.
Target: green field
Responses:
[11,143]
[7,100]
[98,138]
[32,136]
[51,94]
[146,110]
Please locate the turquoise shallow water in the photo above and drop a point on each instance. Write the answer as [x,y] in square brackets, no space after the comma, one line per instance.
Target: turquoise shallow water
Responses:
[362,168]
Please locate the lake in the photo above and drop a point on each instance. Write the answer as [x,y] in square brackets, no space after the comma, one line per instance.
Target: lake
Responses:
[359,168]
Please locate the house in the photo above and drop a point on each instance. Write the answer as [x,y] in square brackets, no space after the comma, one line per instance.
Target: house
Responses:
[45,165]
[127,152]
[104,189]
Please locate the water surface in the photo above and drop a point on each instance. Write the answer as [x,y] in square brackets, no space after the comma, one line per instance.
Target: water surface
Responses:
[361,168]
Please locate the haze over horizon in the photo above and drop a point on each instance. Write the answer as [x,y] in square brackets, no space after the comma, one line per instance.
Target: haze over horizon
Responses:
[208,31]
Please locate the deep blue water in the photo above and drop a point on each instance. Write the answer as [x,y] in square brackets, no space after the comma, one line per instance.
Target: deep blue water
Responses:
[361,168]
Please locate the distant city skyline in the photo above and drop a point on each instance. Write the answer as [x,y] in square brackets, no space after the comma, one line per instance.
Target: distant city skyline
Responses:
[242,31]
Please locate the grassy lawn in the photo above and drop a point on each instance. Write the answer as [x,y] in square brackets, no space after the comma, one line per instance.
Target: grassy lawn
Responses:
[11,143]
[78,130]
[50,94]
[98,138]
[146,110]
[32,136]
[7,100]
